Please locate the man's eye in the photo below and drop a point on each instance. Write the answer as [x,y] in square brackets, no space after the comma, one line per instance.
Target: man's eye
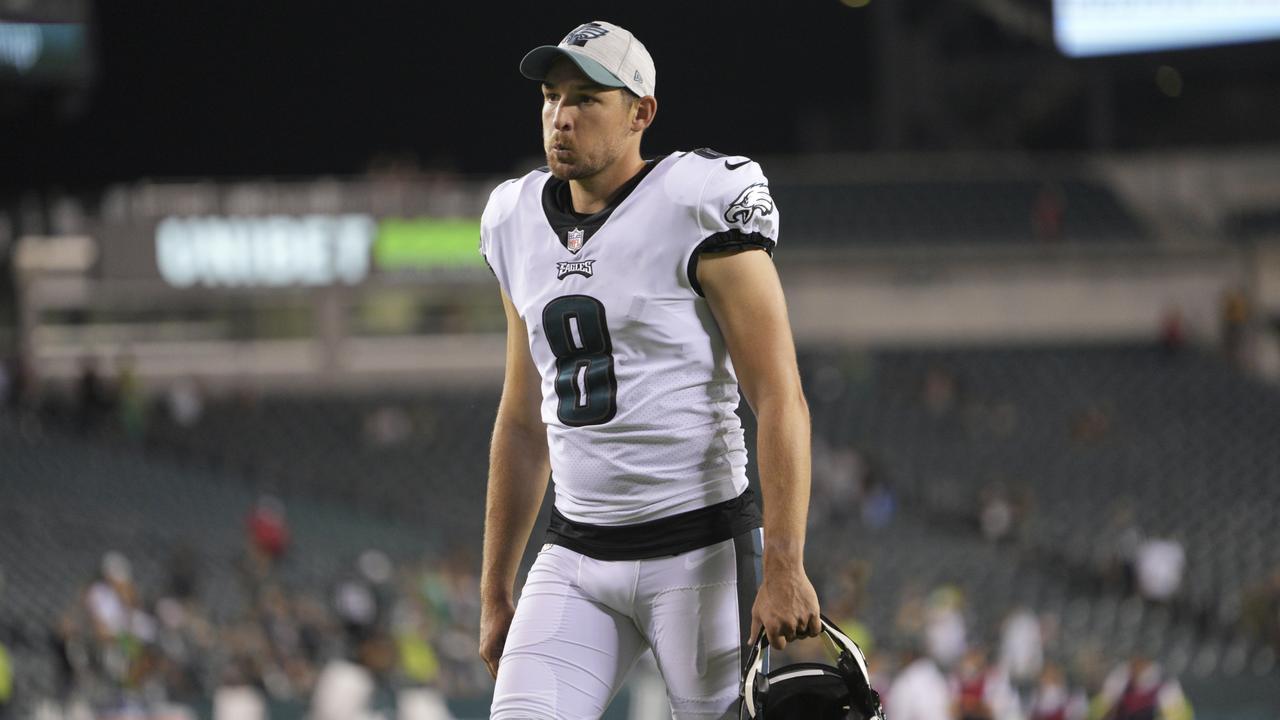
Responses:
[588,100]
[552,97]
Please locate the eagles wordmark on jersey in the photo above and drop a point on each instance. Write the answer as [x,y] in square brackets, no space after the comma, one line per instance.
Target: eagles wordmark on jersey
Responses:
[638,391]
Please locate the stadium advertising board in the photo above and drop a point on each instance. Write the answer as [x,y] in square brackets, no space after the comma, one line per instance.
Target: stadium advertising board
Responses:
[427,244]
[308,250]
[271,251]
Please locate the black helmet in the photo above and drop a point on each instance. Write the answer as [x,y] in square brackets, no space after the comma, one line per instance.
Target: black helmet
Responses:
[810,691]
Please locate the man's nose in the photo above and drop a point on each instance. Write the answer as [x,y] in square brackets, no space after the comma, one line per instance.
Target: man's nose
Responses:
[562,117]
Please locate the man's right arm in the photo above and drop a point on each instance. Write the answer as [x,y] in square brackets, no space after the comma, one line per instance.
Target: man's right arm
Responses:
[518,472]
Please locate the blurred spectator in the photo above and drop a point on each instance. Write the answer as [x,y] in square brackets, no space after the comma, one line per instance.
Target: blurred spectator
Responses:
[363,603]
[1092,425]
[4,384]
[93,402]
[1047,212]
[19,385]
[70,653]
[1022,647]
[940,391]
[997,515]
[421,704]
[1053,700]
[1139,690]
[387,426]
[878,503]
[110,599]
[908,621]
[343,692]
[6,666]
[1118,556]
[848,593]
[6,683]
[981,691]
[1172,332]
[1160,564]
[185,403]
[419,665]
[944,631]
[130,398]
[1236,314]
[1262,609]
[919,692]
[238,702]
[970,688]
[879,665]
[184,640]
[184,573]
[281,634]
[268,529]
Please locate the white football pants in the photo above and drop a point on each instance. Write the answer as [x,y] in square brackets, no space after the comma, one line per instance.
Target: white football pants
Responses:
[581,623]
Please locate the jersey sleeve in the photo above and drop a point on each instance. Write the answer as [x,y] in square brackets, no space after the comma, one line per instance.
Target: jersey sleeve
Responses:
[735,212]
[495,212]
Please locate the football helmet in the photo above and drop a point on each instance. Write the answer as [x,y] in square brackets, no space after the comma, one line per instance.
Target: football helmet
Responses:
[810,691]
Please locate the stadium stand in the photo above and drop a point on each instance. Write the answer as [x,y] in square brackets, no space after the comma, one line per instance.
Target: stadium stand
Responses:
[411,457]
[1088,451]
[923,212]
[1167,440]
[1119,439]
[1085,433]
[65,501]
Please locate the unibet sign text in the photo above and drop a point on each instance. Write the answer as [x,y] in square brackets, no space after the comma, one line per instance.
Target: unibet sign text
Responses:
[272,251]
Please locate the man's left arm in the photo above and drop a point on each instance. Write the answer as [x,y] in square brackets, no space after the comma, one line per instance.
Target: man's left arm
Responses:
[745,296]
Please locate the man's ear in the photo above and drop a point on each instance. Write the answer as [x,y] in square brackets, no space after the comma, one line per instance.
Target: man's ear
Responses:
[646,109]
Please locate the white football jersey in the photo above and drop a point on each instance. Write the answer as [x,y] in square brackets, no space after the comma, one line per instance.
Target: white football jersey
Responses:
[638,392]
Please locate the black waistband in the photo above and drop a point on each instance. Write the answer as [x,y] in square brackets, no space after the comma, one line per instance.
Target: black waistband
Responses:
[658,538]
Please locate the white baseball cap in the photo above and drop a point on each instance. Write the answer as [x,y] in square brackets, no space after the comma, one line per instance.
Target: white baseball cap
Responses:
[608,54]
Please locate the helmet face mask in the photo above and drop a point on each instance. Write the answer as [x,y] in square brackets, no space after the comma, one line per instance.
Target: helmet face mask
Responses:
[810,691]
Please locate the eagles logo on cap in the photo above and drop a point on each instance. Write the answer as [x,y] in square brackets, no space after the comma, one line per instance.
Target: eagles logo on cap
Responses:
[583,33]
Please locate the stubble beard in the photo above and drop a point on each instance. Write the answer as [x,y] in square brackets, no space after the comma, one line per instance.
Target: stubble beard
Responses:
[584,166]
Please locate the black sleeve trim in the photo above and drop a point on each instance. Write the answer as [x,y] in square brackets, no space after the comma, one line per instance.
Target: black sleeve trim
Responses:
[727,241]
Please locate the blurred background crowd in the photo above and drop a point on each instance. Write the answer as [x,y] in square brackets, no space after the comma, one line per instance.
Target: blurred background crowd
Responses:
[250,357]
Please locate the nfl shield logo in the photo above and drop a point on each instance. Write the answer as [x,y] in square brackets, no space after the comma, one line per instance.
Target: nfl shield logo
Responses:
[574,242]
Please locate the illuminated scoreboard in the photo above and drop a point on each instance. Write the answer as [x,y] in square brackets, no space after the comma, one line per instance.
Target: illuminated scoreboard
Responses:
[1086,28]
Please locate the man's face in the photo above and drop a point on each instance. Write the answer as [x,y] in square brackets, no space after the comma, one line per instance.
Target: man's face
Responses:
[585,126]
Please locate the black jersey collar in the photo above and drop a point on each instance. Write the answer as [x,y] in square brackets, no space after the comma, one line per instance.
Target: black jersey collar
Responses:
[574,229]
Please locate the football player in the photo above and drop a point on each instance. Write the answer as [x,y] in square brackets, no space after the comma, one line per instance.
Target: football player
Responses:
[639,295]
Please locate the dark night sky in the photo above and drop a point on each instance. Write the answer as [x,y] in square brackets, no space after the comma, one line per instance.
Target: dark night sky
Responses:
[285,88]
[241,88]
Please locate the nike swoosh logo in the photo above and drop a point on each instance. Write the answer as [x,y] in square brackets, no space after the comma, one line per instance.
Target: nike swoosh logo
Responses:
[735,166]
[691,563]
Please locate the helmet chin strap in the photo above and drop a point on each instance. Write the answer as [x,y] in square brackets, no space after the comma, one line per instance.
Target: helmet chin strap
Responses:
[755,665]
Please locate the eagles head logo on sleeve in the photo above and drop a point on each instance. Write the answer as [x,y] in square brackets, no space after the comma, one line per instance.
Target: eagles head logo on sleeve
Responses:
[752,201]
[583,33]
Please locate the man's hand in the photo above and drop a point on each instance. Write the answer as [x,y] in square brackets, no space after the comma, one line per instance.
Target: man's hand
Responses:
[495,621]
[786,607]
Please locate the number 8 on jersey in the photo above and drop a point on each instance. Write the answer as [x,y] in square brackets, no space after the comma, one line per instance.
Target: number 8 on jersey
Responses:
[578,334]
